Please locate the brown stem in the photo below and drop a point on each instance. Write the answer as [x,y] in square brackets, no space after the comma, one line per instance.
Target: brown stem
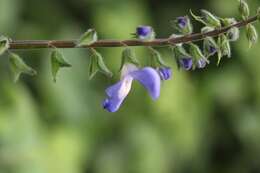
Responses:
[39,44]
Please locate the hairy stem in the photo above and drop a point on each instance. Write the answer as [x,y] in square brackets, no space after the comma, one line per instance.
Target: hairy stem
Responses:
[39,44]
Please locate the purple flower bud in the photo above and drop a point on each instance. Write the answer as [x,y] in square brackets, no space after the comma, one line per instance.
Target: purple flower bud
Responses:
[182,22]
[212,50]
[165,73]
[144,31]
[186,63]
[201,63]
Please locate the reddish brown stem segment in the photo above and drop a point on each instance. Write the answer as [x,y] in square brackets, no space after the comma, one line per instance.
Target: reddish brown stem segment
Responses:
[39,44]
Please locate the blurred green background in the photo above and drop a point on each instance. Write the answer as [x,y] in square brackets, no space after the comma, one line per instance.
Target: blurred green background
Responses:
[205,121]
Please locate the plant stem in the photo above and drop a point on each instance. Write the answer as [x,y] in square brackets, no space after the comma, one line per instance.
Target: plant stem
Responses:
[39,44]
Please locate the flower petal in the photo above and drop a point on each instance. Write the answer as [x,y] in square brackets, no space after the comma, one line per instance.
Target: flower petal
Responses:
[150,79]
[117,93]
[128,68]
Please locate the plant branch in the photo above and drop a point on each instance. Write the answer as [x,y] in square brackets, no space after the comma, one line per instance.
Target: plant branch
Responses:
[39,44]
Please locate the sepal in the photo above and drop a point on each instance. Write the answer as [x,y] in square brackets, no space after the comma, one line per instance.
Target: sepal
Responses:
[197,54]
[57,62]
[87,38]
[207,19]
[183,25]
[251,34]
[4,44]
[156,59]
[224,47]
[233,34]
[128,56]
[18,67]
[210,46]
[97,64]
[244,9]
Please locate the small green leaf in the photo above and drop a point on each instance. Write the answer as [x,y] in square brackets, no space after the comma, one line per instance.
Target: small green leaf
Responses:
[4,44]
[57,62]
[18,67]
[88,38]
[128,56]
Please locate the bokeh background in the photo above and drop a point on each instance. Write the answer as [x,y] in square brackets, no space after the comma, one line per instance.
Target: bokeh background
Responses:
[205,121]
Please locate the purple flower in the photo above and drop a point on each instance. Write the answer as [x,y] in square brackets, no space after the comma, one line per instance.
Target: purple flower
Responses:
[165,73]
[116,93]
[182,22]
[186,63]
[144,32]
[201,63]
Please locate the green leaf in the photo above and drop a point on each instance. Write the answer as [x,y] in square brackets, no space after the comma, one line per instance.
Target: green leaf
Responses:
[57,62]
[87,38]
[4,44]
[128,56]
[18,67]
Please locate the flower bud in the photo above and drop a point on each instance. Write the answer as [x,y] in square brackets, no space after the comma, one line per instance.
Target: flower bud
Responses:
[201,63]
[207,19]
[251,33]
[183,25]
[210,47]
[210,19]
[145,33]
[186,63]
[206,29]
[224,45]
[244,9]
[229,21]
[197,55]
[233,34]
[183,59]
[165,73]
